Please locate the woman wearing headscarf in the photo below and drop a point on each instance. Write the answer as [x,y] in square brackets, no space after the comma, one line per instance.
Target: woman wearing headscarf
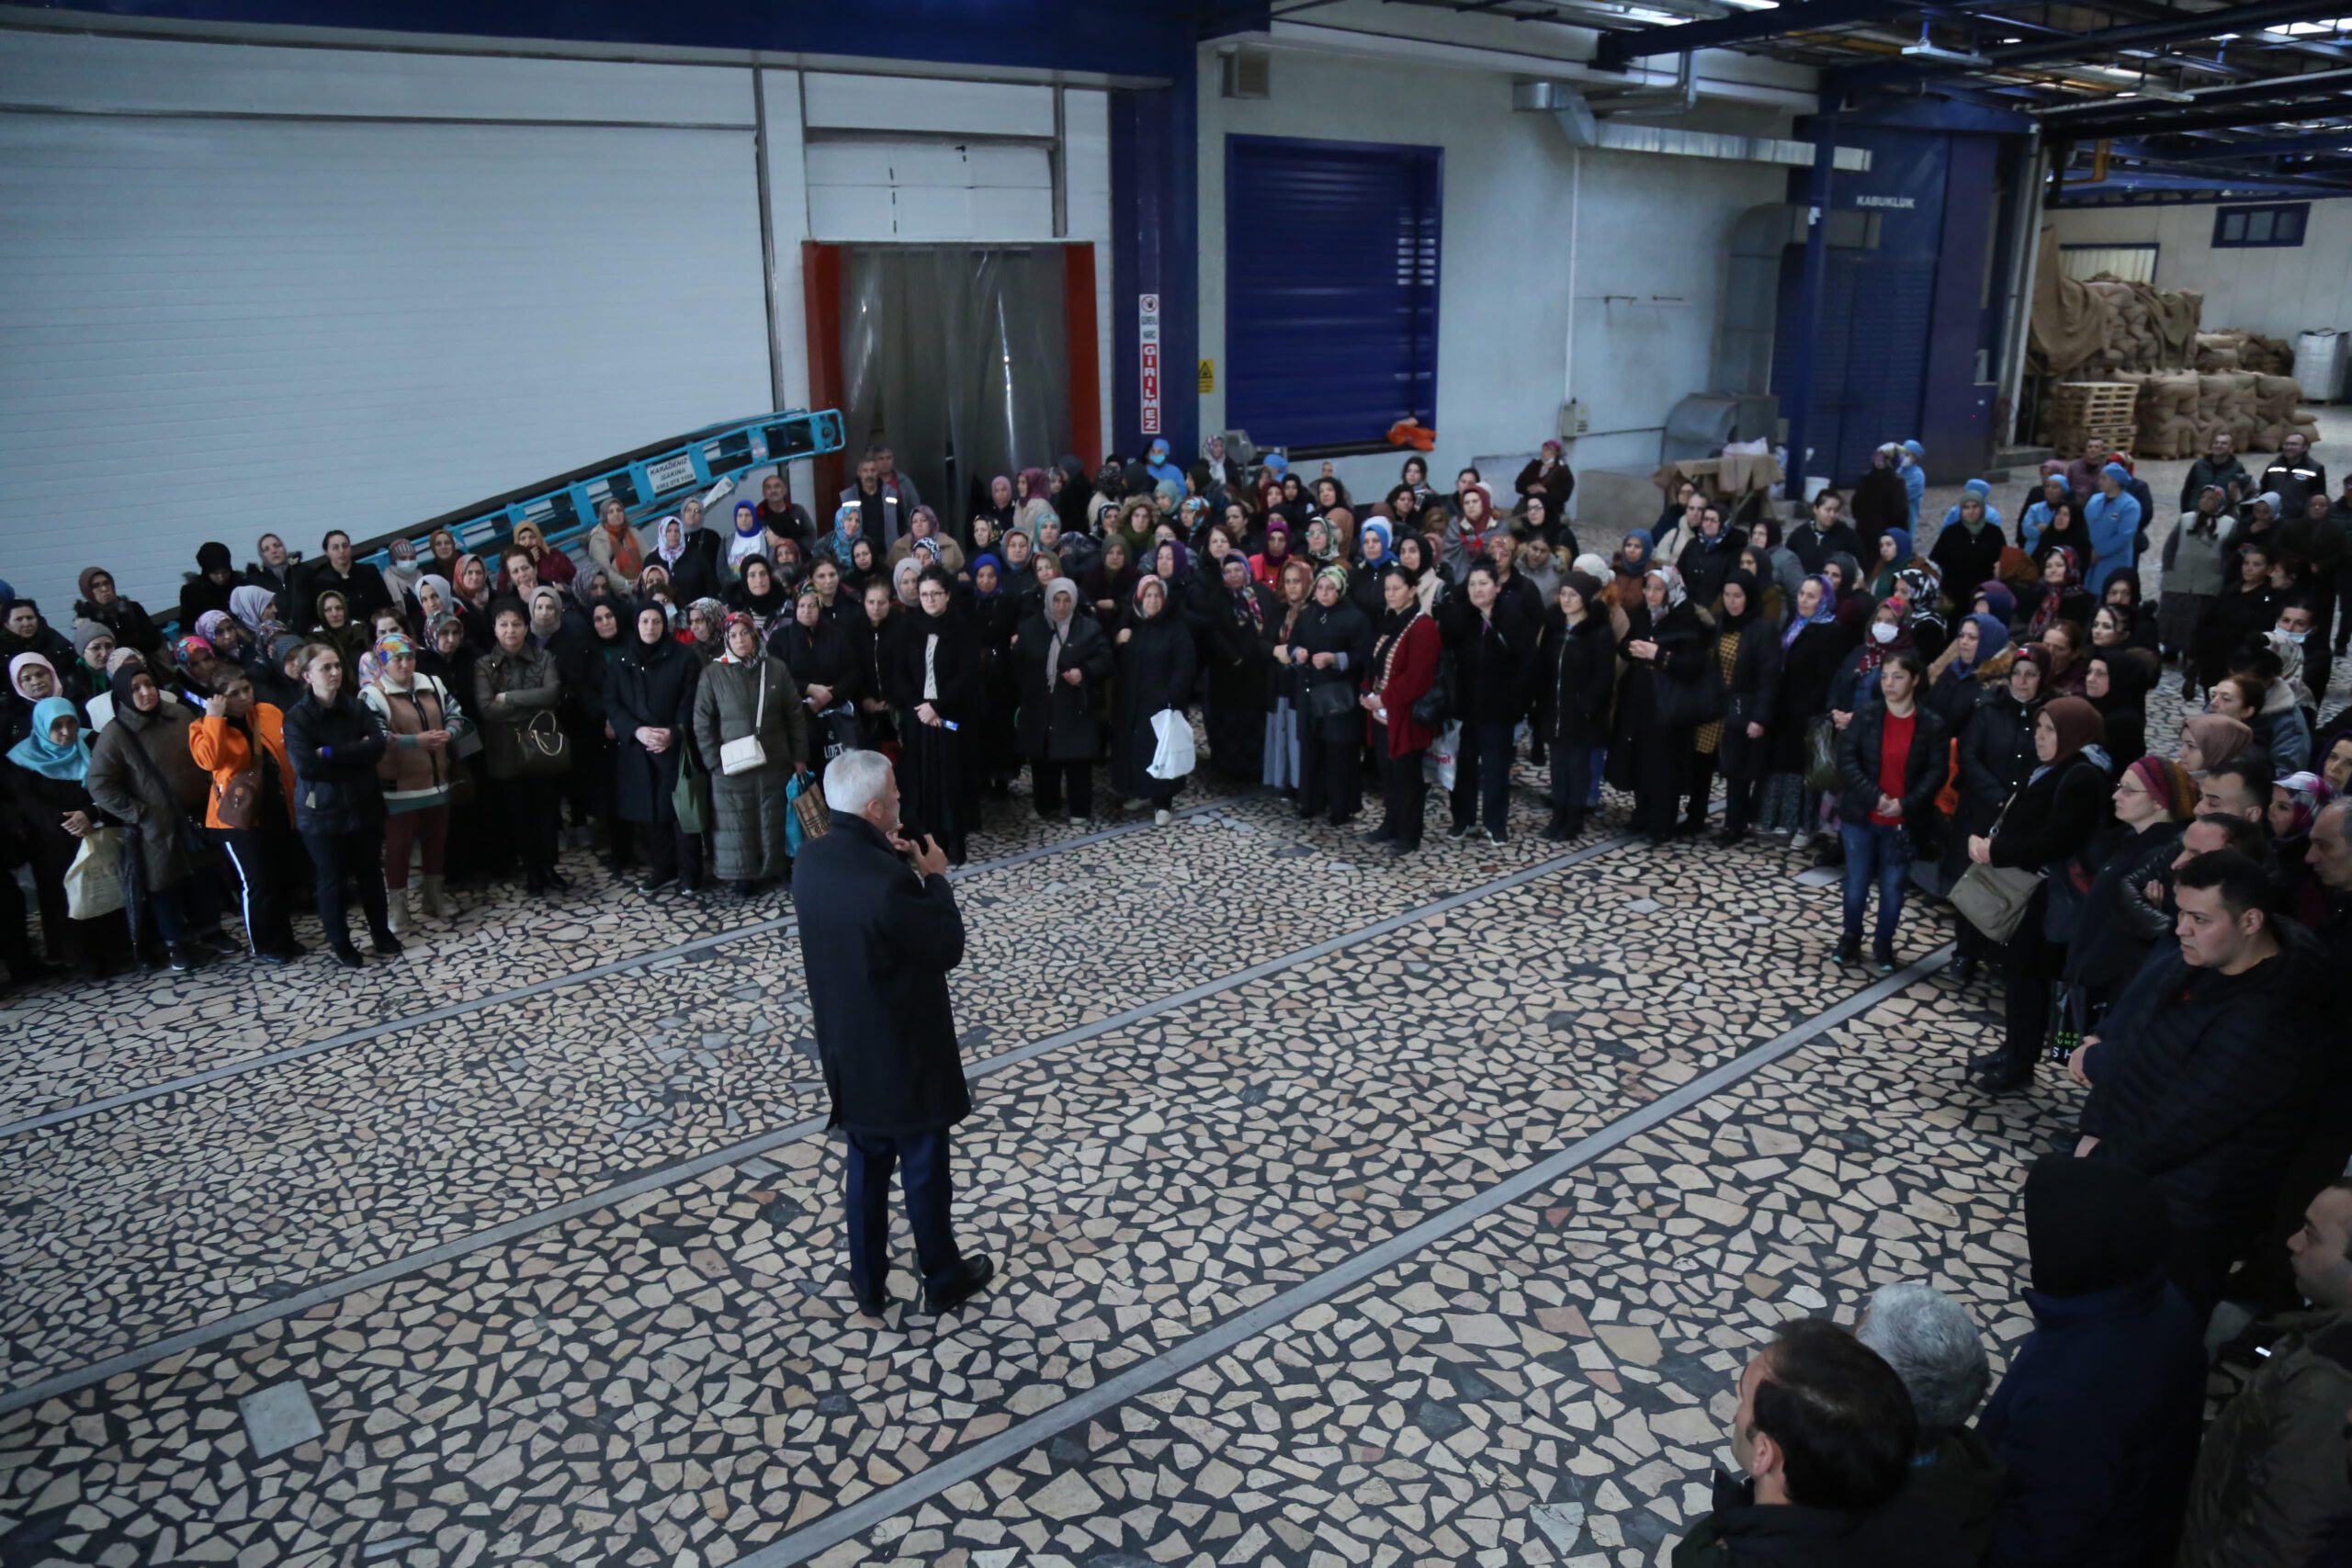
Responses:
[1888,633]
[817,654]
[2045,828]
[1238,654]
[421,721]
[690,563]
[2059,596]
[207,587]
[1747,649]
[46,796]
[1968,548]
[2210,740]
[1977,657]
[1994,757]
[1267,566]
[706,617]
[513,682]
[2296,801]
[1002,504]
[1324,647]
[127,618]
[1635,555]
[1037,489]
[923,524]
[32,679]
[746,696]
[1418,560]
[1893,557]
[2154,801]
[611,543]
[547,614]
[401,569]
[473,597]
[586,785]
[256,611]
[1665,650]
[758,593]
[335,745]
[748,538]
[1400,673]
[86,676]
[1106,588]
[932,670]
[1062,659]
[142,775]
[649,702]
[1575,666]
[1156,659]
[2067,644]
[2116,682]
[249,810]
[555,567]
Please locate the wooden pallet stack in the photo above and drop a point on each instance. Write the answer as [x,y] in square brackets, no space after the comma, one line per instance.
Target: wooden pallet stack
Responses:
[2080,414]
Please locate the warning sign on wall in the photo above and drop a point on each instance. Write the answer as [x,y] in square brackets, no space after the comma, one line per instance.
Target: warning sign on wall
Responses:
[1208,374]
[1147,337]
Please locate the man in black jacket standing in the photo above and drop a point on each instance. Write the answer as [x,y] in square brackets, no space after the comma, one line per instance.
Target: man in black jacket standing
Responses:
[2203,1077]
[878,940]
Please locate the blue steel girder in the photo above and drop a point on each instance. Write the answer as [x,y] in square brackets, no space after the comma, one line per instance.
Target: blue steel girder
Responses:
[1618,50]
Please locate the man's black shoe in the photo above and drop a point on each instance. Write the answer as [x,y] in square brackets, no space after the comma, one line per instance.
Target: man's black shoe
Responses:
[969,1281]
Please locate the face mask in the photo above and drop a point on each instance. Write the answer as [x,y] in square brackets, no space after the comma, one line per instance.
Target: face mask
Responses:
[2295,637]
[1882,631]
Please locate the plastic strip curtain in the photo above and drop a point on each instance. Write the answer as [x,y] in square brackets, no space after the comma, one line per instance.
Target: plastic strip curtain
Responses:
[955,360]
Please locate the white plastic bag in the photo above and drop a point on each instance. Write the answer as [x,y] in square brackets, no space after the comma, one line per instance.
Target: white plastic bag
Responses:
[1437,762]
[94,881]
[1173,760]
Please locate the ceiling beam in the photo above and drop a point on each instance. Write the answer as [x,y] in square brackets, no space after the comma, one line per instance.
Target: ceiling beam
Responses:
[2180,27]
[2259,147]
[1616,50]
[2156,119]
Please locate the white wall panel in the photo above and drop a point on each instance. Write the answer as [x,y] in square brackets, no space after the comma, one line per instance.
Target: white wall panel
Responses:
[86,73]
[902,106]
[1086,182]
[281,325]
[921,190]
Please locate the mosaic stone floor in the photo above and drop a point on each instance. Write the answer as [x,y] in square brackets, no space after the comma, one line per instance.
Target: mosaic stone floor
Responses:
[1346,1212]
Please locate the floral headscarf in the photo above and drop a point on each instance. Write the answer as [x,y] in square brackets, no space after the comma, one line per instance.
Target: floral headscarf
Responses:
[727,629]
[1676,593]
[2307,795]
[1823,613]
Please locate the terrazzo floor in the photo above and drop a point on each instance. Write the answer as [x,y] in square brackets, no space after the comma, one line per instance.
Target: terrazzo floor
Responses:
[1346,1210]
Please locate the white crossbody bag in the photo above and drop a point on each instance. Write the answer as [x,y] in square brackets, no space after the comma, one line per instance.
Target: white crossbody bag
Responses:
[743,756]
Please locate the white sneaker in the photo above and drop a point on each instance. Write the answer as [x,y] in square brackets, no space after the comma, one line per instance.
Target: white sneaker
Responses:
[1162,817]
[1078,821]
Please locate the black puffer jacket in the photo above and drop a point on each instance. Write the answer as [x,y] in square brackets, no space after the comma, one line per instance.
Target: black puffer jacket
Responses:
[335,747]
[1576,670]
[2119,928]
[1860,749]
[1492,655]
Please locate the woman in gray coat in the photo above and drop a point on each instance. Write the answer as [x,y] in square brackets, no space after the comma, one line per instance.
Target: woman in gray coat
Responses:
[1063,661]
[744,695]
[143,774]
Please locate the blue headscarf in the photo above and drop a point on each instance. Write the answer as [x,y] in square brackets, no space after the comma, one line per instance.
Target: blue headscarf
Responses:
[1902,538]
[37,753]
[1375,528]
[1992,636]
[849,511]
[1649,553]
[987,558]
[1826,612]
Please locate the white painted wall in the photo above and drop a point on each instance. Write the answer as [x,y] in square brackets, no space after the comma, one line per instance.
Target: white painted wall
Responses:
[2278,292]
[1646,258]
[471,270]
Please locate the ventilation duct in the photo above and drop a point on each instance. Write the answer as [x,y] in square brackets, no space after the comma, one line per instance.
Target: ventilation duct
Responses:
[1590,122]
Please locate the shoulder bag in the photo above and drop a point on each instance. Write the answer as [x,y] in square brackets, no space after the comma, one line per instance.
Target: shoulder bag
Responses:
[746,754]
[1821,754]
[1329,699]
[530,747]
[1993,899]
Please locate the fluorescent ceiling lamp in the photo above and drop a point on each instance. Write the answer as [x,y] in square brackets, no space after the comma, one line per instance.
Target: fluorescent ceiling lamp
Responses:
[2305,29]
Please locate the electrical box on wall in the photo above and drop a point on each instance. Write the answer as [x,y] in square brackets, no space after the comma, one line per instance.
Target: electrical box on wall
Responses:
[1575,419]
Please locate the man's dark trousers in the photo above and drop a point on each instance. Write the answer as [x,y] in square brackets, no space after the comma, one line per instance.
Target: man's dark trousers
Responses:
[923,1156]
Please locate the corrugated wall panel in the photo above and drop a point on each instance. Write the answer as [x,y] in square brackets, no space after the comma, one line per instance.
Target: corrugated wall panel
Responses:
[228,327]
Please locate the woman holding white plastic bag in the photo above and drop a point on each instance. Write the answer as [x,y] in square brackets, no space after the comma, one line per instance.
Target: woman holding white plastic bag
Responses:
[1157,662]
[48,802]
[752,735]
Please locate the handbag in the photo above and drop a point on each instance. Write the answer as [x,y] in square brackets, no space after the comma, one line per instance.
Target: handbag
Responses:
[1821,753]
[810,818]
[745,754]
[1993,899]
[530,747]
[840,731]
[1433,708]
[94,881]
[1329,699]
[690,796]
[1687,701]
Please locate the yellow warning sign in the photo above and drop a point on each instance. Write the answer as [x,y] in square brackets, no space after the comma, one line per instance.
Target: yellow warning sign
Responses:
[1208,374]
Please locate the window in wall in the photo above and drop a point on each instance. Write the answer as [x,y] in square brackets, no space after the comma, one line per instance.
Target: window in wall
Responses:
[1332,275]
[2133,264]
[2247,227]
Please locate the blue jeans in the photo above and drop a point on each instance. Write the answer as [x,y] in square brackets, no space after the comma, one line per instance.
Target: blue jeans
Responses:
[1885,851]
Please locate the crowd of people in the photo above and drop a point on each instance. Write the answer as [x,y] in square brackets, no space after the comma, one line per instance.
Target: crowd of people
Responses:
[1953,708]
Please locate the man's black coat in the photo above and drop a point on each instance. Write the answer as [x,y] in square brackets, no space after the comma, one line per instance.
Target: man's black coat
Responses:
[878,942]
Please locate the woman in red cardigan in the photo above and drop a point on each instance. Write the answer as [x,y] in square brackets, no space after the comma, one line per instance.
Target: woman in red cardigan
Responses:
[1403,668]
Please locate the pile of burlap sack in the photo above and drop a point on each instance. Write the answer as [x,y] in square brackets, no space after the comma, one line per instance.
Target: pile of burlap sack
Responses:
[2180,412]
[2234,348]
[2108,330]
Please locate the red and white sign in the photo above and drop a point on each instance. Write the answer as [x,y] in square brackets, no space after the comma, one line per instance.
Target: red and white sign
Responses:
[1147,337]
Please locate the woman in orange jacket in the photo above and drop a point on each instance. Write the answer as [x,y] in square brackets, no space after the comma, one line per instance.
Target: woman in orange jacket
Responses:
[250,814]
